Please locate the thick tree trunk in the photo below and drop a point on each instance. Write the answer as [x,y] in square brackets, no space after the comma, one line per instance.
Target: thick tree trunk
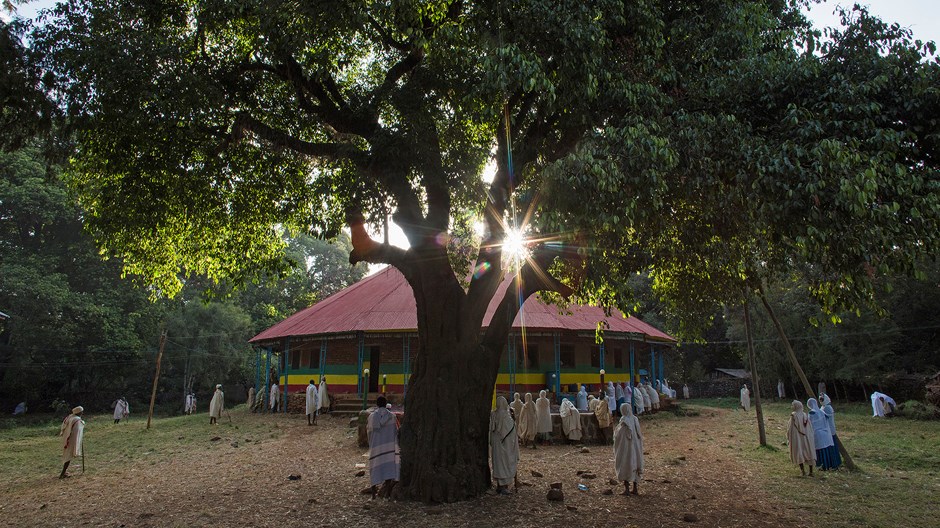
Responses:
[755,379]
[444,437]
[849,463]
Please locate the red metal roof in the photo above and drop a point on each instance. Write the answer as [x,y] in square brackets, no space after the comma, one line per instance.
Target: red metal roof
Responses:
[383,302]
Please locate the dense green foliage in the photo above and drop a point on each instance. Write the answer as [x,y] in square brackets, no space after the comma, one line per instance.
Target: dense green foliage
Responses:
[81,332]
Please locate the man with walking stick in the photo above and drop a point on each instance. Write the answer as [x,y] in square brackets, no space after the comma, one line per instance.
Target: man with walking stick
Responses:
[72,431]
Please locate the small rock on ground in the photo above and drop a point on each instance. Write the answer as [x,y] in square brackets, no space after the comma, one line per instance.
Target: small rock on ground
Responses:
[555,495]
[690,517]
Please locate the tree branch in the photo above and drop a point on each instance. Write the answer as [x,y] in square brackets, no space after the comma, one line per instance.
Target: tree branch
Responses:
[245,124]
[367,250]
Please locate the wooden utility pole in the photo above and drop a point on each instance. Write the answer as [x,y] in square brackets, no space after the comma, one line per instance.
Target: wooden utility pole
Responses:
[156,378]
[799,370]
[755,380]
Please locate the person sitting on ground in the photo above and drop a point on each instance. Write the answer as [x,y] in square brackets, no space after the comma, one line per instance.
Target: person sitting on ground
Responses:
[602,413]
[800,438]
[72,432]
[528,422]
[516,408]
[628,450]
[121,409]
[216,405]
[504,446]
[654,396]
[882,405]
[543,411]
[312,403]
[570,421]
[822,437]
[384,457]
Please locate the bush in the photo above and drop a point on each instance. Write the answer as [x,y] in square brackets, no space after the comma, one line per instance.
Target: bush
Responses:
[916,410]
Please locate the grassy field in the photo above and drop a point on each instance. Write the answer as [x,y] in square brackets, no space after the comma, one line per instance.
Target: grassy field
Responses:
[898,482]
[32,452]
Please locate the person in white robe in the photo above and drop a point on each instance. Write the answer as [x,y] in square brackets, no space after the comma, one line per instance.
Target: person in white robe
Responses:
[592,402]
[274,400]
[251,399]
[121,409]
[628,450]
[72,432]
[504,446]
[324,396]
[570,421]
[627,394]
[638,404]
[800,439]
[216,405]
[611,397]
[516,408]
[781,391]
[647,397]
[528,421]
[543,409]
[654,396]
[384,457]
[882,405]
[618,393]
[312,403]
[745,398]
[685,391]
[602,413]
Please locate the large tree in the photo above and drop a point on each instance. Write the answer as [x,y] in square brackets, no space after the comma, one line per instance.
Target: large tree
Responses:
[203,124]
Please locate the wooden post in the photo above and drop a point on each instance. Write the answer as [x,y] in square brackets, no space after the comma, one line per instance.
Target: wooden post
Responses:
[156,378]
[799,370]
[755,380]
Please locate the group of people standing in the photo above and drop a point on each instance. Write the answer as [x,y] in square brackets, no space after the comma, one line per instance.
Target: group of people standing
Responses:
[521,422]
[812,437]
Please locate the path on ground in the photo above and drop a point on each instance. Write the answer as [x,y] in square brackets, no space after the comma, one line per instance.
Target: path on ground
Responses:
[241,480]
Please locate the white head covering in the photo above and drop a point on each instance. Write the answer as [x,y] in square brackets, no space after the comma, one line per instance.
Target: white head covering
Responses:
[528,397]
[566,407]
[515,398]
[500,421]
[825,400]
[78,409]
[626,412]
[542,394]
[812,404]
[219,386]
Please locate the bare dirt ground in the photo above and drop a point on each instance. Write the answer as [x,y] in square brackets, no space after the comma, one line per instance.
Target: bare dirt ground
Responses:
[690,469]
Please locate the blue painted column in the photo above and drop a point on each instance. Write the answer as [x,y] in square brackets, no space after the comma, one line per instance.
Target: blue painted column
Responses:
[632,376]
[603,353]
[257,374]
[267,380]
[662,370]
[652,365]
[284,388]
[322,359]
[406,365]
[557,364]
[361,346]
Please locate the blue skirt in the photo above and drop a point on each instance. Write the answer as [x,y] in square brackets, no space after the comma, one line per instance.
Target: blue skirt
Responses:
[835,456]
[828,458]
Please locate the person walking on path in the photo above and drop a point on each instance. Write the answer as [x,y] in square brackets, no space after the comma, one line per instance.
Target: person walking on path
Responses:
[121,409]
[216,405]
[628,450]
[72,432]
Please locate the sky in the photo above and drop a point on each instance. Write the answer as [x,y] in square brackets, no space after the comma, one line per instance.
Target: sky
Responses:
[921,16]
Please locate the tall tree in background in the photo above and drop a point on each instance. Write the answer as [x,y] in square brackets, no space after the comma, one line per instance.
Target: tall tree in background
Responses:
[626,134]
